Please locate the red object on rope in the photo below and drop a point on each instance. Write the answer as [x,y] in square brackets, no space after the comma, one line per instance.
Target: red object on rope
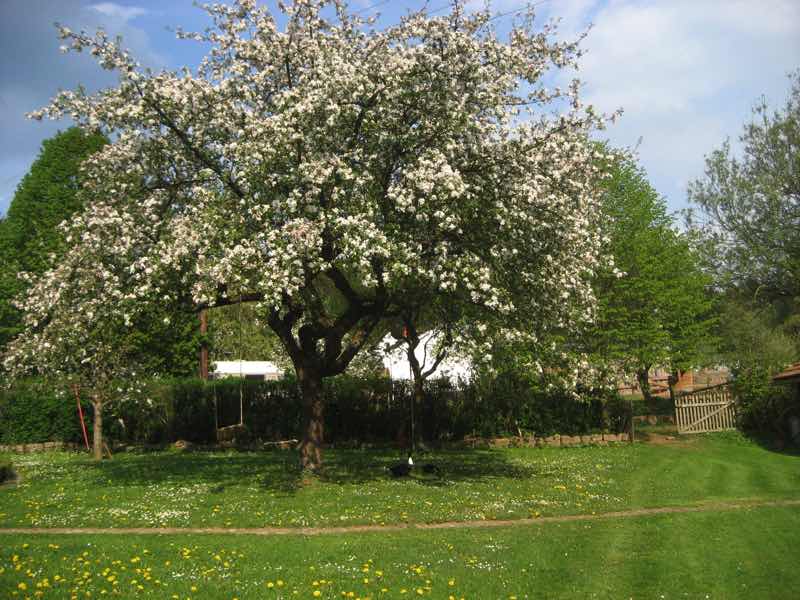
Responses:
[80,414]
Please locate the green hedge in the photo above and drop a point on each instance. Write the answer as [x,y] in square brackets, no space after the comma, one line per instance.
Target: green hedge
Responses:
[764,408]
[39,411]
[367,410]
[370,410]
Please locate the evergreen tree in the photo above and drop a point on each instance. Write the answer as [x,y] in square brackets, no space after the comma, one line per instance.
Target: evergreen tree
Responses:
[45,197]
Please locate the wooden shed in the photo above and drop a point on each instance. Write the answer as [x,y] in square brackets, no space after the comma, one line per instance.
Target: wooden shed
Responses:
[790,374]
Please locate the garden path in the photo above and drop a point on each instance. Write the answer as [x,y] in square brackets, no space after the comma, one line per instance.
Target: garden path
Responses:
[307,531]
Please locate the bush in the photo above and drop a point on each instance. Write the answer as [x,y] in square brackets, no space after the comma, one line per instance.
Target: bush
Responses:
[36,410]
[763,407]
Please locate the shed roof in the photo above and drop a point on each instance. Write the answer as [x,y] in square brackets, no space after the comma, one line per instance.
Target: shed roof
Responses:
[790,373]
[245,367]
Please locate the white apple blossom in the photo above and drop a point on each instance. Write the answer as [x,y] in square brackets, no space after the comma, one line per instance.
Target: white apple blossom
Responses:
[329,171]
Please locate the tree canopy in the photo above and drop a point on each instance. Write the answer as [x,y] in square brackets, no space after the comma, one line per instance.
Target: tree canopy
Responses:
[326,171]
[749,205]
[654,307]
[747,216]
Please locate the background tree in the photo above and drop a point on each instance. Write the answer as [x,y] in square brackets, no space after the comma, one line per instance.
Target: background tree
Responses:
[655,305]
[424,335]
[46,196]
[326,171]
[746,215]
[749,207]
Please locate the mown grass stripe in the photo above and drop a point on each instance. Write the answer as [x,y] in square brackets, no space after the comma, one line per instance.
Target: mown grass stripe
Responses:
[307,531]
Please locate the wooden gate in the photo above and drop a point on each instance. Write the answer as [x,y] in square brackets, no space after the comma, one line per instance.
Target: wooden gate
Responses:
[708,409]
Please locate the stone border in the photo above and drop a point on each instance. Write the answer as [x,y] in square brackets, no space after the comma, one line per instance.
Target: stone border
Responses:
[40,447]
[531,441]
[555,440]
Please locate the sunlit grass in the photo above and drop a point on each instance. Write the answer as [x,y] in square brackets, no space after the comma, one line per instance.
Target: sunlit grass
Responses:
[248,489]
[741,554]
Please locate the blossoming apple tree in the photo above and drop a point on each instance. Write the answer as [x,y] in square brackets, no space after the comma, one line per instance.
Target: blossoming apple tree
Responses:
[329,171]
[77,328]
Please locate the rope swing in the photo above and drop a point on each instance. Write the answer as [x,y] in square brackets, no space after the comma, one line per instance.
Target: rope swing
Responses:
[222,431]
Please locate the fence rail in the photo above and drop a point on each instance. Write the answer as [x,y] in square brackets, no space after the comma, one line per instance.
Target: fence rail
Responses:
[708,409]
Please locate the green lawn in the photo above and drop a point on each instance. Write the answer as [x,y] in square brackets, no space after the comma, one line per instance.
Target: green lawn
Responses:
[740,554]
[241,489]
[746,553]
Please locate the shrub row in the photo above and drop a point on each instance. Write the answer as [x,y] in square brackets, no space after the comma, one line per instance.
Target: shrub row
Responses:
[357,409]
[39,411]
[765,408]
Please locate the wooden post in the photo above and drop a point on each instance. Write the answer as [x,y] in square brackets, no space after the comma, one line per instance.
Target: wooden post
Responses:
[204,344]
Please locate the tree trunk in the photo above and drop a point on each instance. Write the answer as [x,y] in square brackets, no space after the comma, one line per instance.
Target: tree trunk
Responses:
[418,401]
[314,411]
[418,395]
[672,380]
[97,428]
[643,377]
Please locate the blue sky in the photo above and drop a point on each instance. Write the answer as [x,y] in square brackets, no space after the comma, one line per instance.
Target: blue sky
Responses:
[686,72]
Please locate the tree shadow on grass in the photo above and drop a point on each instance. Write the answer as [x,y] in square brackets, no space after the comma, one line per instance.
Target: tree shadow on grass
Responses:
[218,470]
[775,443]
[347,467]
[277,471]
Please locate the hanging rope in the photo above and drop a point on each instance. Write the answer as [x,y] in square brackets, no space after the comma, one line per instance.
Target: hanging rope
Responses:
[80,413]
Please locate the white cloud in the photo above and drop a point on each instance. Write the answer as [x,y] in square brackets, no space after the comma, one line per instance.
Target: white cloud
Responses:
[116,11]
[686,72]
[32,70]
